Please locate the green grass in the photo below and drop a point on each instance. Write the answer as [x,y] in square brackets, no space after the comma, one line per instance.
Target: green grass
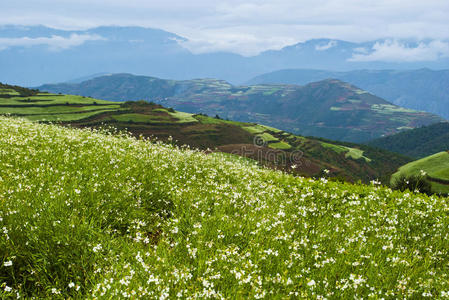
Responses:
[255,129]
[235,158]
[36,110]
[436,166]
[356,154]
[353,153]
[443,173]
[280,145]
[67,117]
[8,92]
[183,117]
[209,120]
[91,215]
[432,164]
[52,99]
[51,107]
[336,148]
[268,137]
[141,118]
[160,110]
[275,130]
[390,109]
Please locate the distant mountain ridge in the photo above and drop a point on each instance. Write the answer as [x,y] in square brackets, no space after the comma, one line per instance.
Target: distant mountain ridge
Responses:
[32,55]
[331,108]
[422,89]
[418,142]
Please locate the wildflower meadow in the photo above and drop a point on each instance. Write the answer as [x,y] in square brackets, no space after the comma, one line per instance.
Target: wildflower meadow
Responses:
[92,214]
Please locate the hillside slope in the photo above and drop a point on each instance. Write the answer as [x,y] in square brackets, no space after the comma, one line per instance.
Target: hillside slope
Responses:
[418,142]
[88,215]
[435,166]
[268,146]
[423,89]
[330,108]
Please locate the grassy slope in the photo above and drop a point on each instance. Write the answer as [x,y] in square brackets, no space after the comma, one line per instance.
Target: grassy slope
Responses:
[90,215]
[436,166]
[303,156]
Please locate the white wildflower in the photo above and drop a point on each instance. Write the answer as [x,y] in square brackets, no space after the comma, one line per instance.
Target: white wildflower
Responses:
[311,283]
[97,248]
[7,263]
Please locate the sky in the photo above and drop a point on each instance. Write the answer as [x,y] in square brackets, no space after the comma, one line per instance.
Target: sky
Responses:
[249,27]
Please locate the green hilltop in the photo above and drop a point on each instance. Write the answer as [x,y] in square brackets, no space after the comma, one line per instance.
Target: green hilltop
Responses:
[89,214]
[418,142]
[434,168]
[267,145]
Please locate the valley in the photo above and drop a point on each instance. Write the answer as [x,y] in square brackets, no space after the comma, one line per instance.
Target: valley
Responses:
[274,148]
[330,109]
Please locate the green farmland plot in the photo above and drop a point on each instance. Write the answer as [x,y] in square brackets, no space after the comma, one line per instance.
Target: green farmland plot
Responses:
[54,107]
[141,118]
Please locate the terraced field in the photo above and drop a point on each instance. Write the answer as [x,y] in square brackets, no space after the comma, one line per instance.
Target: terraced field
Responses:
[266,145]
[330,108]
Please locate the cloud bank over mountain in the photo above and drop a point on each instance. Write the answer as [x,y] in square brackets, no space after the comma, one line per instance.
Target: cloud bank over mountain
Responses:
[33,55]
[54,43]
[395,51]
[248,27]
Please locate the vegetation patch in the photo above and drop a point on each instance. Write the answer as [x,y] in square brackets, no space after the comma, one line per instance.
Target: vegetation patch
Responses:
[67,117]
[435,166]
[183,117]
[141,118]
[336,148]
[255,129]
[353,153]
[356,154]
[268,138]
[280,145]
[86,214]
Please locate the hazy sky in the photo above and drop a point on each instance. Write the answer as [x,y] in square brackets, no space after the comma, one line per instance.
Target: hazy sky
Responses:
[246,27]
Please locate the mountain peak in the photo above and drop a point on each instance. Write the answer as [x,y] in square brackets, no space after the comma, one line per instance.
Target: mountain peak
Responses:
[330,108]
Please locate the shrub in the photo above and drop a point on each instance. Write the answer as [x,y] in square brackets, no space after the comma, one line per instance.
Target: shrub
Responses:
[412,183]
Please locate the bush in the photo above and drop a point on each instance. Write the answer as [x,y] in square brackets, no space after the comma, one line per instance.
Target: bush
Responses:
[412,183]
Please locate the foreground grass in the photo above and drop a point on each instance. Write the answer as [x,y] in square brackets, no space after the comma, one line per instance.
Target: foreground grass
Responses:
[87,214]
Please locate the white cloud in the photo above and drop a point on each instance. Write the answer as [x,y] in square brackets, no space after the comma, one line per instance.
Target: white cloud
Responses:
[54,42]
[361,50]
[326,46]
[248,26]
[394,51]
[247,43]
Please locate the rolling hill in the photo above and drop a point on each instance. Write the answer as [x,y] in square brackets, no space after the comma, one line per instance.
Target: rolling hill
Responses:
[418,142]
[269,146]
[331,108]
[91,215]
[423,89]
[435,166]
